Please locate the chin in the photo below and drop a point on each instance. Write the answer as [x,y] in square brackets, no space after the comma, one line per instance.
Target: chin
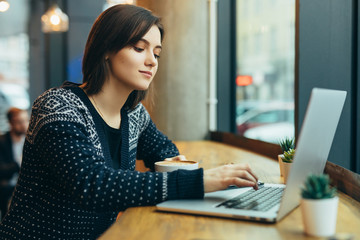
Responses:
[142,87]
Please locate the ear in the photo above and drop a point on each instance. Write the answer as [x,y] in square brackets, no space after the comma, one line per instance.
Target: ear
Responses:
[107,56]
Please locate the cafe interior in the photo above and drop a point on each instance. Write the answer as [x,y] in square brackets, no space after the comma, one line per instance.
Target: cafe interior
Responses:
[235,79]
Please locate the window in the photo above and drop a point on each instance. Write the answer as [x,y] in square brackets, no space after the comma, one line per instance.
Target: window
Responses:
[329,59]
[265,57]
[14,60]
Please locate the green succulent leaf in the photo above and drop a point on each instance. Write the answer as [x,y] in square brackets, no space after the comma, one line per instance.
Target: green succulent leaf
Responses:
[287,143]
[318,187]
[288,156]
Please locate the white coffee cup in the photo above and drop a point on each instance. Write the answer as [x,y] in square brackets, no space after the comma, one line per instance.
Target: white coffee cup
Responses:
[172,165]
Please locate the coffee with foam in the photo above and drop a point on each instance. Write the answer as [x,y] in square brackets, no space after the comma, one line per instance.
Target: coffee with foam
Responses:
[168,166]
[176,163]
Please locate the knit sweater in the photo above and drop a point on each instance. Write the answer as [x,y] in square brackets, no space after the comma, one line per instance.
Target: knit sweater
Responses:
[67,187]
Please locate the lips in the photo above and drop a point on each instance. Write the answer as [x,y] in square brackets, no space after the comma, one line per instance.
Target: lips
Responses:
[146,73]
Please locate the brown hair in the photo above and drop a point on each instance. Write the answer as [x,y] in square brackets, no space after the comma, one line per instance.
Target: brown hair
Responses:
[13,111]
[114,29]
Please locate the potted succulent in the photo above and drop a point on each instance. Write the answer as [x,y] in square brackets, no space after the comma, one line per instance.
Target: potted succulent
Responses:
[288,148]
[319,206]
[287,159]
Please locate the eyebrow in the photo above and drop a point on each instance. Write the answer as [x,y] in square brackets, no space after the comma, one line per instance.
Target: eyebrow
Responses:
[148,43]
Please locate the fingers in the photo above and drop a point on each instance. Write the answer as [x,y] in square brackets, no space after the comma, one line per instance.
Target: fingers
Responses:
[242,171]
[243,174]
[240,182]
[246,167]
[176,158]
[240,175]
[181,158]
[222,177]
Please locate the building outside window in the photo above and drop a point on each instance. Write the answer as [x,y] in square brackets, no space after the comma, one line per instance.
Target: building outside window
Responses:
[265,59]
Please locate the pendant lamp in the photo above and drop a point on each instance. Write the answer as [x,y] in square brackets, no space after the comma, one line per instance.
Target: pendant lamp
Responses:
[54,20]
[4,5]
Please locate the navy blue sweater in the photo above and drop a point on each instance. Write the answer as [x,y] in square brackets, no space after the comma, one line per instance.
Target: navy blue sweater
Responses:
[67,187]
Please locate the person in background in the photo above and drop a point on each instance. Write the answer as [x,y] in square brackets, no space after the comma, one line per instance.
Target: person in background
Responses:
[11,147]
[78,169]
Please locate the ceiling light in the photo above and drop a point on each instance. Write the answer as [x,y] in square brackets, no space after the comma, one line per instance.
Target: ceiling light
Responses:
[54,20]
[4,5]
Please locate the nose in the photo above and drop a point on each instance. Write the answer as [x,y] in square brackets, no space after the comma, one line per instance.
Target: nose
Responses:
[150,59]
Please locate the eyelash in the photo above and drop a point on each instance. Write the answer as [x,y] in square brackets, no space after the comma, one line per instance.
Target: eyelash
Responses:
[138,49]
[141,49]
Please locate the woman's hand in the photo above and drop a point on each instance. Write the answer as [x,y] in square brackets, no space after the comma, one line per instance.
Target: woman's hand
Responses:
[176,158]
[222,177]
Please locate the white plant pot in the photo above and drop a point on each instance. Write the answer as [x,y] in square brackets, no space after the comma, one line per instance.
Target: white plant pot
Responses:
[281,166]
[319,216]
[286,169]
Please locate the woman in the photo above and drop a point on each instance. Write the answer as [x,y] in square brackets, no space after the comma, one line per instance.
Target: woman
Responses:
[78,168]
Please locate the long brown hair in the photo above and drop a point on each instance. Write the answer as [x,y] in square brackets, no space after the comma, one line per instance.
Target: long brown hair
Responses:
[114,29]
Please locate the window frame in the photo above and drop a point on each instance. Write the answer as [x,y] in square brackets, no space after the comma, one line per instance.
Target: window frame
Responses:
[311,41]
[226,88]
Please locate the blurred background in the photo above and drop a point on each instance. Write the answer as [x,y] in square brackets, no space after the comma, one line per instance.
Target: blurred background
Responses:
[208,45]
[240,67]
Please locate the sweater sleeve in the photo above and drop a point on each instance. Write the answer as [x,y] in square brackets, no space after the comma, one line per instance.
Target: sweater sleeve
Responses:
[154,146]
[76,169]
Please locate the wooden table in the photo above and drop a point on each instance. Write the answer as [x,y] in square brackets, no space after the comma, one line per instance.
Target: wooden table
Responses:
[147,223]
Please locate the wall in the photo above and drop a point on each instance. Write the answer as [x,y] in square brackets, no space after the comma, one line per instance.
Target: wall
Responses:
[181,84]
[82,14]
[37,83]
[327,59]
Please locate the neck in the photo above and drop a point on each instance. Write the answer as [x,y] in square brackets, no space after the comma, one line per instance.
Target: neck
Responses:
[109,102]
[113,96]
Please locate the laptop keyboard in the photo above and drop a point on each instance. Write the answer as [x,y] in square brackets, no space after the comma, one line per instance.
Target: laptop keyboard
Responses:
[259,200]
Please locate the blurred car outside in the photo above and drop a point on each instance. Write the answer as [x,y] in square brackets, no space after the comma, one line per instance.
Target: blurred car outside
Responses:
[272,133]
[11,95]
[266,121]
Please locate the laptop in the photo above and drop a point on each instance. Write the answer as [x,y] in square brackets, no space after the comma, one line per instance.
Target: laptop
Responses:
[274,201]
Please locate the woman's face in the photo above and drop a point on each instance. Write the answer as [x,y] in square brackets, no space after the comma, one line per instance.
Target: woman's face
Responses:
[135,66]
